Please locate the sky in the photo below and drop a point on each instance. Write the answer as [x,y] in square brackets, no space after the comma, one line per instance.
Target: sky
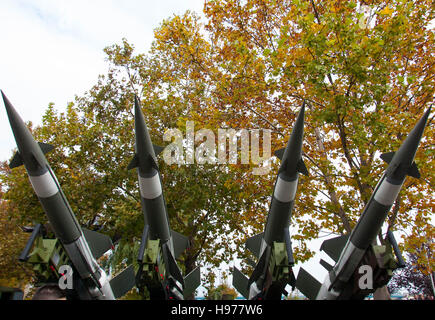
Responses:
[53,50]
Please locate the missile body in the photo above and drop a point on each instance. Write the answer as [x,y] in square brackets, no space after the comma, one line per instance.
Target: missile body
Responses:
[155,212]
[276,230]
[338,284]
[59,213]
[286,184]
[150,186]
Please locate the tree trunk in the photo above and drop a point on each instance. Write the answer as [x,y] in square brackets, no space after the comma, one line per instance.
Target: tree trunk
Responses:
[382,294]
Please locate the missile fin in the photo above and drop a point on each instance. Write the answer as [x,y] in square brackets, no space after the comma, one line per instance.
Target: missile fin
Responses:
[123,282]
[98,243]
[157,149]
[180,242]
[259,269]
[279,153]
[45,147]
[333,247]
[387,157]
[134,163]
[307,284]
[16,161]
[413,171]
[171,264]
[254,244]
[240,282]
[191,282]
[302,168]
[326,265]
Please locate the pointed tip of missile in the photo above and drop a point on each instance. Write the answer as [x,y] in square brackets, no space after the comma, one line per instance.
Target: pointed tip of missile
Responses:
[424,119]
[298,129]
[7,103]
[427,113]
[292,154]
[303,107]
[402,162]
[417,132]
[138,115]
[137,108]
[14,118]
[143,145]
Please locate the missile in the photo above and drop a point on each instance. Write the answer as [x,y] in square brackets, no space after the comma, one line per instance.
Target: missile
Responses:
[262,284]
[172,244]
[94,280]
[350,251]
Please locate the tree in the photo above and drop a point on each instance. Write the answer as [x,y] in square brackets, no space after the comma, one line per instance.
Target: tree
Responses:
[364,68]
[413,277]
[366,71]
[366,78]
[221,292]
[13,242]
[94,142]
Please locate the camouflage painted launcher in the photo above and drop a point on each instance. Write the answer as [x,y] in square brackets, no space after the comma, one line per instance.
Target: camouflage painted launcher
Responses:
[155,274]
[151,271]
[82,247]
[46,258]
[279,267]
[47,255]
[280,270]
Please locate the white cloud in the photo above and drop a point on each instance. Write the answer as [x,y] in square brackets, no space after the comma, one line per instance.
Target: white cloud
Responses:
[52,50]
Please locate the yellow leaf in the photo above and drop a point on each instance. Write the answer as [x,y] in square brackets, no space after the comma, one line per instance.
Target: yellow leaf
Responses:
[386,11]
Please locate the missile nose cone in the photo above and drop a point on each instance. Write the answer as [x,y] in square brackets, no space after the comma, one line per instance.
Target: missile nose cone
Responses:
[298,129]
[299,126]
[139,120]
[19,129]
[29,152]
[12,114]
[418,129]
[404,157]
[137,109]
[293,152]
[143,145]
[3,96]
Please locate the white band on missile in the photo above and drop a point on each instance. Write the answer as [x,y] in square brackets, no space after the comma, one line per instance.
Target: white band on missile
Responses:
[285,191]
[150,188]
[44,185]
[387,193]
